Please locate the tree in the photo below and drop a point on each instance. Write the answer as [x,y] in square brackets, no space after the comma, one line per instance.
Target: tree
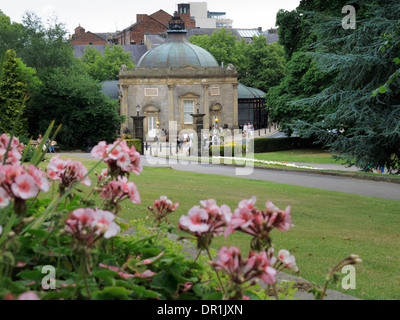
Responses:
[303,78]
[45,47]
[106,67]
[259,64]
[74,99]
[14,88]
[359,127]
[221,44]
[264,64]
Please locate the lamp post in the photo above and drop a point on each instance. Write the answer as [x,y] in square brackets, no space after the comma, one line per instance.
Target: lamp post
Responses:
[138,128]
[198,123]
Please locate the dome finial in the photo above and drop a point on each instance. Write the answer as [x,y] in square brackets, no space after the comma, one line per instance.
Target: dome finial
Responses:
[176,23]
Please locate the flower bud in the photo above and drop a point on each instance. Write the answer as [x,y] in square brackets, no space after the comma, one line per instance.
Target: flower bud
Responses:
[11,234]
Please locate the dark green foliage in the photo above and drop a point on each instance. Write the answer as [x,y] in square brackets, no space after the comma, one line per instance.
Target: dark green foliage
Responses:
[72,98]
[134,142]
[106,67]
[219,150]
[302,80]
[45,47]
[264,64]
[259,64]
[281,144]
[12,96]
[361,128]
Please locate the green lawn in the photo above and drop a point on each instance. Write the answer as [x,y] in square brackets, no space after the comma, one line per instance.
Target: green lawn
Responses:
[328,225]
[299,155]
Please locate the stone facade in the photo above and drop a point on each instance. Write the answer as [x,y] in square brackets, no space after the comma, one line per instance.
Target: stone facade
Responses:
[165,94]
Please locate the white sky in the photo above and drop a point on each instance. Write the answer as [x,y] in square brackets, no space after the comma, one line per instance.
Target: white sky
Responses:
[109,16]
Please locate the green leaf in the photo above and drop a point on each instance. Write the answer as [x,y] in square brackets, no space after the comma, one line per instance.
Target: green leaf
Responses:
[35,275]
[164,281]
[105,274]
[214,296]
[112,293]
[38,233]
[396,60]
[382,89]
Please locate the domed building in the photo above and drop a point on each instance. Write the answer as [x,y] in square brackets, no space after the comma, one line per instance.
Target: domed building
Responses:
[175,80]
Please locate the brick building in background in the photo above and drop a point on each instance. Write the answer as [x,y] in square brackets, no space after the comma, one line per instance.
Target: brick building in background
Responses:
[156,23]
[81,37]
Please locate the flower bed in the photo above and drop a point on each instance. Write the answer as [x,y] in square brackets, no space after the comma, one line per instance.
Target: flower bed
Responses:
[64,247]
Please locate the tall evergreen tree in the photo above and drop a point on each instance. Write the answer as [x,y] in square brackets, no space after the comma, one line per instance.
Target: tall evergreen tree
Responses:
[12,94]
[359,126]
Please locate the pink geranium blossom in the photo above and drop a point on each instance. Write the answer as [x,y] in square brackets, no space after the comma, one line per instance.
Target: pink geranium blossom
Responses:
[121,159]
[118,191]
[207,222]
[287,260]
[14,155]
[67,172]
[88,225]
[29,295]
[240,270]
[19,183]
[4,198]
[258,223]
[162,208]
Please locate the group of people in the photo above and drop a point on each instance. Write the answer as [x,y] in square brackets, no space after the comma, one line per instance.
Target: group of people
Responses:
[183,140]
[248,130]
[47,144]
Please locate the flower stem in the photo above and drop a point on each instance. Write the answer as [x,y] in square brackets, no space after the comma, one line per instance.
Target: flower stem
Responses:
[219,279]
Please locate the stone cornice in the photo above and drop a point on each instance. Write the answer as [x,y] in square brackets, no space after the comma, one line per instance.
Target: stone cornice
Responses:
[179,72]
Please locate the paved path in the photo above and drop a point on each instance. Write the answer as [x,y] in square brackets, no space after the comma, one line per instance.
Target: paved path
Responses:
[385,190]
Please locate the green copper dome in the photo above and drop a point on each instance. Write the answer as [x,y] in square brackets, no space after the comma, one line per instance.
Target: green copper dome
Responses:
[177,52]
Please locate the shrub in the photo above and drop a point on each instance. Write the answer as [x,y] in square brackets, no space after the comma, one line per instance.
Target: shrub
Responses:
[134,142]
[220,149]
[281,144]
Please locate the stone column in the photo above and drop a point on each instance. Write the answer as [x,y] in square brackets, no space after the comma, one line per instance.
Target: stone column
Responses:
[206,109]
[138,130]
[198,125]
[235,106]
[124,107]
[171,116]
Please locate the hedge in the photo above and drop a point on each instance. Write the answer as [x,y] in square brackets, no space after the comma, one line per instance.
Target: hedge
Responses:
[134,142]
[281,144]
[236,150]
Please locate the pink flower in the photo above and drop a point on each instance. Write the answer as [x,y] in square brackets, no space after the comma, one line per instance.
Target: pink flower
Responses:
[288,260]
[14,155]
[88,225]
[240,271]
[125,275]
[25,187]
[4,198]
[68,172]
[21,264]
[278,218]
[117,191]
[103,222]
[196,221]
[29,295]
[120,159]
[40,178]
[146,274]
[100,150]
